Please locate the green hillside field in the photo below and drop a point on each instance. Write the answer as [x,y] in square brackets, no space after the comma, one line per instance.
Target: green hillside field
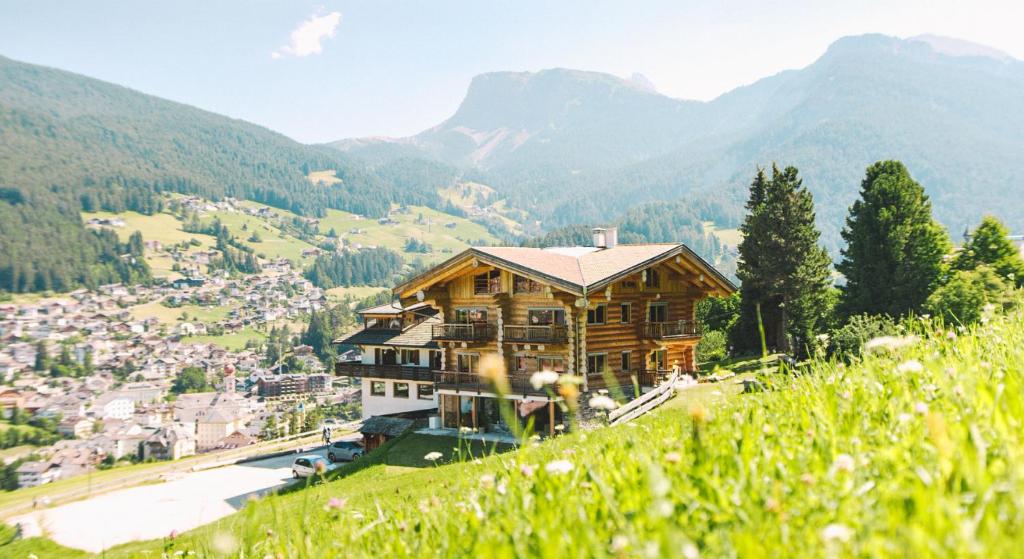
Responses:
[914,450]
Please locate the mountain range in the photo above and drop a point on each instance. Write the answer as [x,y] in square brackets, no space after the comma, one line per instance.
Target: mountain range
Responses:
[573,146]
[561,147]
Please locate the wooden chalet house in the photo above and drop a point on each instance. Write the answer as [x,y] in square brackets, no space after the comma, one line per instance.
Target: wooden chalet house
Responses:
[609,313]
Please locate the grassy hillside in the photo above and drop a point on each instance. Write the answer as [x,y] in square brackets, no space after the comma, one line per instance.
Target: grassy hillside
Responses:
[914,451]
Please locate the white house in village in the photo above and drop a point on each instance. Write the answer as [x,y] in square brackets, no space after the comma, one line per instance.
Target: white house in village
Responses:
[32,474]
[113,405]
[398,355]
[215,426]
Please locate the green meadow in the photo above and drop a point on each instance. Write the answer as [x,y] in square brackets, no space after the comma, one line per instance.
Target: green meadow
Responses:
[914,450]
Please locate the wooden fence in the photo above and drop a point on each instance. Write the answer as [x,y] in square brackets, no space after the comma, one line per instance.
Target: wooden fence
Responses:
[645,403]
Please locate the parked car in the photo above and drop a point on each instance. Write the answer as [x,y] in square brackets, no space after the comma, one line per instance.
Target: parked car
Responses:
[345,450]
[307,465]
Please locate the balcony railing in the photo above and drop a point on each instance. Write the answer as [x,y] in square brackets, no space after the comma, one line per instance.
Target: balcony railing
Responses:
[547,334]
[519,383]
[473,332]
[397,372]
[623,380]
[674,329]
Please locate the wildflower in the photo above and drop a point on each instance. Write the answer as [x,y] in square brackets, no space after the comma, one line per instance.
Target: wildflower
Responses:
[836,532]
[602,402]
[569,392]
[904,417]
[920,408]
[225,543]
[172,535]
[951,335]
[540,379]
[843,463]
[698,413]
[560,427]
[690,551]
[527,470]
[502,488]
[433,456]
[558,467]
[889,343]
[910,366]
[808,479]
[619,543]
[335,504]
[270,533]
[487,481]
[492,369]
[673,457]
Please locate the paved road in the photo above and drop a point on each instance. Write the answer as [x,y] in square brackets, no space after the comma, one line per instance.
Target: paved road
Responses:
[153,511]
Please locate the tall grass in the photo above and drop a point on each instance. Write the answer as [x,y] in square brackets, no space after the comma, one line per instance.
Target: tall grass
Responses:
[914,450]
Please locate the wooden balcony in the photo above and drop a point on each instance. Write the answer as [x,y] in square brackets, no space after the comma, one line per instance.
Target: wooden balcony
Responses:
[548,334]
[519,383]
[670,330]
[474,332]
[396,372]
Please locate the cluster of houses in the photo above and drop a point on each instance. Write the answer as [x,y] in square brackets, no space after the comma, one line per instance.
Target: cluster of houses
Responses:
[120,407]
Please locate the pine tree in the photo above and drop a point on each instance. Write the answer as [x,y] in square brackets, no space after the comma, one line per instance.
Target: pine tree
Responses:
[990,245]
[782,267]
[894,249]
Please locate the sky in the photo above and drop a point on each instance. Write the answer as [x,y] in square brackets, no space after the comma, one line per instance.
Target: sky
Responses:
[328,70]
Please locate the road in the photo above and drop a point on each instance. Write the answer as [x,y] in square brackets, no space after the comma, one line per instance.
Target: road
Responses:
[153,511]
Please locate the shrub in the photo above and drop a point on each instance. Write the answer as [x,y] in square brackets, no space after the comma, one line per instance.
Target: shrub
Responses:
[712,347]
[846,342]
[964,297]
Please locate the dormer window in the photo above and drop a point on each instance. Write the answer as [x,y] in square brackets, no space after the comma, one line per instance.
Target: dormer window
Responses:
[653,279]
[488,283]
[522,284]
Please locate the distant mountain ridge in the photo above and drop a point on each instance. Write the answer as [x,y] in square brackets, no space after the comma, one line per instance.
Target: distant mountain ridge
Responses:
[575,146]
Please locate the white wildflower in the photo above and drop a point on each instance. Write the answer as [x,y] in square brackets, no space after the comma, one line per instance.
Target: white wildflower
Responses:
[601,402]
[619,543]
[673,457]
[910,366]
[904,417]
[433,456]
[527,469]
[920,408]
[558,467]
[889,343]
[560,427]
[690,551]
[487,481]
[836,532]
[540,379]
[843,463]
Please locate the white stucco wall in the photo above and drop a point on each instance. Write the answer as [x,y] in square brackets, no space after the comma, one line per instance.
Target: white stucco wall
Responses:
[388,404]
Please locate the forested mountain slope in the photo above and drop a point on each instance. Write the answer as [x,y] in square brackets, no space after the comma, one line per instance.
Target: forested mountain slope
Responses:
[584,147]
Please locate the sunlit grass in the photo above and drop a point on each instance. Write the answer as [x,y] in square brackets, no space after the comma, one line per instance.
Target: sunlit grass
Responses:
[912,452]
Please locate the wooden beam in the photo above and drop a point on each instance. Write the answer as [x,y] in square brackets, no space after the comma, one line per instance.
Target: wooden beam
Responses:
[551,418]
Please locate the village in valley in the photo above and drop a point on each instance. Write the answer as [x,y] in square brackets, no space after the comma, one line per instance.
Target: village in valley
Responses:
[119,401]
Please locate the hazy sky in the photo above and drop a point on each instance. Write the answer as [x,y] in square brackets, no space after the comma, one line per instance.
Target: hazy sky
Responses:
[324,71]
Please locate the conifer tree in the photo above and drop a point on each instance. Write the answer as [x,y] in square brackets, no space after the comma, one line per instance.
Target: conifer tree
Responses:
[782,267]
[990,245]
[894,249]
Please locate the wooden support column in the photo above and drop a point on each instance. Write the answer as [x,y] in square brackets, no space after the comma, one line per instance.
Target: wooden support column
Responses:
[551,418]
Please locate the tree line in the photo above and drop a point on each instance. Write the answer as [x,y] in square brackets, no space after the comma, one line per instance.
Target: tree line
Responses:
[897,261]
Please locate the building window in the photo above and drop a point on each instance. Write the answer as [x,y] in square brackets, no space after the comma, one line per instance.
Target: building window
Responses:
[596,363]
[466,362]
[653,279]
[545,317]
[425,391]
[411,357]
[435,360]
[556,364]
[625,313]
[378,388]
[626,358]
[597,314]
[657,312]
[401,390]
[659,359]
[521,363]
[470,316]
[488,283]
[521,284]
